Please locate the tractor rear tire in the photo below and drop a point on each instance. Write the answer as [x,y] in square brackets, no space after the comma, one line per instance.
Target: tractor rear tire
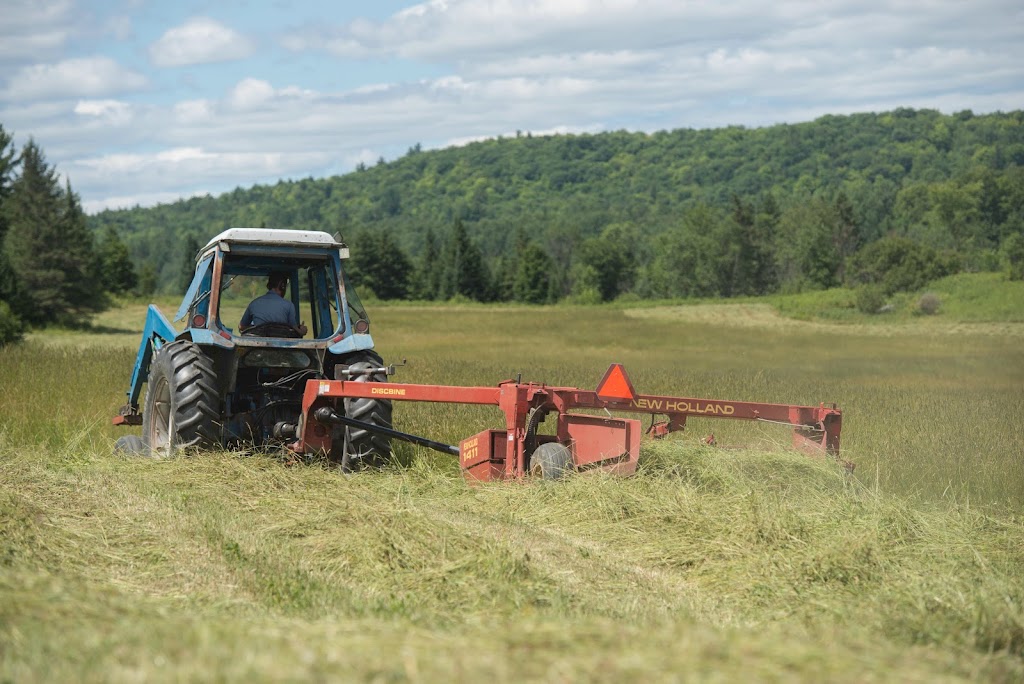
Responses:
[182,408]
[360,448]
[551,461]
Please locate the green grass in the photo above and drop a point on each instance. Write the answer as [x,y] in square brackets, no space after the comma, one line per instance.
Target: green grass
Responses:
[737,563]
[965,298]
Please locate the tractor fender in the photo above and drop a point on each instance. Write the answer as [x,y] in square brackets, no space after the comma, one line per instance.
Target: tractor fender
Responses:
[352,343]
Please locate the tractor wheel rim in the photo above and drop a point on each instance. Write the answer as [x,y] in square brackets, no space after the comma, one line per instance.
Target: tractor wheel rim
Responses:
[163,420]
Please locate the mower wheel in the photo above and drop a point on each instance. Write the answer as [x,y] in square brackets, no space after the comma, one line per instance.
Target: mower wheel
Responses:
[182,400]
[551,461]
[130,445]
[360,448]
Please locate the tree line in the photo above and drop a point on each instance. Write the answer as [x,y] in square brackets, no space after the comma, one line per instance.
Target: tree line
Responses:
[53,269]
[891,200]
[722,212]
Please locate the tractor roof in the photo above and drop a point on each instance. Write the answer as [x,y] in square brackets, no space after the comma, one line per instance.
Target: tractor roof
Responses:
[274,236]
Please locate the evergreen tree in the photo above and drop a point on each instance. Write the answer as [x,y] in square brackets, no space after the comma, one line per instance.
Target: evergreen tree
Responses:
[147,279]
[118,274]
[49,246]
[748,252]
[506,268]
[187,270]
[464,271]
[378,263]
[426,283]
[8,164]
[82,262]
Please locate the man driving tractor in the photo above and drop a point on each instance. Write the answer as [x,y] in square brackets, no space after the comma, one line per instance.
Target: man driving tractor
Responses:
[272,308]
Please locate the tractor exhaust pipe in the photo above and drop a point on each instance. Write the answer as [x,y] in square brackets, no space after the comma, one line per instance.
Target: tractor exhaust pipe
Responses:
[325,414]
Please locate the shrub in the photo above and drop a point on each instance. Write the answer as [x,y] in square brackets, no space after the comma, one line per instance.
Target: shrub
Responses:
[11,328]
[870,298]
[900,265]
[1013,256]
[929,304]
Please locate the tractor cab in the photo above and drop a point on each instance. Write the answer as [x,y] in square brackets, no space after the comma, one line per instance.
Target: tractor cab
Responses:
[232,270]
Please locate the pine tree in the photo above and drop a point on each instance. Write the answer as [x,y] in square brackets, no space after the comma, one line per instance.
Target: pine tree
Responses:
[49,246]
[118,274]
[78,254]
[378,263]
[426,282]
[8,164]
[464,271]
[147,279]
[506,269]
[188,263]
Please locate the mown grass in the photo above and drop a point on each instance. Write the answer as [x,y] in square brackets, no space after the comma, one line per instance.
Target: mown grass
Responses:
[752,563]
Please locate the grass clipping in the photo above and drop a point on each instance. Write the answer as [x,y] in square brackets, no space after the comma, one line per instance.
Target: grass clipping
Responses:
[727,562]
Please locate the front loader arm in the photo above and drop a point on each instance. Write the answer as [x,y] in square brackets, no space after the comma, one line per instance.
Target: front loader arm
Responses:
[157,333]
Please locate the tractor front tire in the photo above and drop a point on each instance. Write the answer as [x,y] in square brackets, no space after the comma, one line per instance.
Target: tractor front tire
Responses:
[551,461]
[182,409]
[360,448]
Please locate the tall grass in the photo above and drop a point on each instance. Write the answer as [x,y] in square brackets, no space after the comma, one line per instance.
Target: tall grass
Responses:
[752,563]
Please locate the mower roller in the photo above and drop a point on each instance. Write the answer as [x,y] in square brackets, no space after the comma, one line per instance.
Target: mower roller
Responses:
[581,441]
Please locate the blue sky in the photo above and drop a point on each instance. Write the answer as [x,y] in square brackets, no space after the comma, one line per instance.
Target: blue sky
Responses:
[141,102]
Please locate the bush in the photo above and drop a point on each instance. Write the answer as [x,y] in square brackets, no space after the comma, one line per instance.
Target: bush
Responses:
[870,298]
[900,265]
[929,304]
[1013,256]
[11,328]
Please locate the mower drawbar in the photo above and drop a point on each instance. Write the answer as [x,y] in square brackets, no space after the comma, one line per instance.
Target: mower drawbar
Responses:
[326,414]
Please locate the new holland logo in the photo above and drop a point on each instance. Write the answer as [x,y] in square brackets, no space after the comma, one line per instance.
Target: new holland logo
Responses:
[680,406]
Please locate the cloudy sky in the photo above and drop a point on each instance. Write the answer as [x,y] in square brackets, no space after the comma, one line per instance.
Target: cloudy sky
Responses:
[146,101]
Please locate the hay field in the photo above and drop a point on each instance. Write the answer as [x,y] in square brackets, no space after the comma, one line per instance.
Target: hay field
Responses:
[710,564]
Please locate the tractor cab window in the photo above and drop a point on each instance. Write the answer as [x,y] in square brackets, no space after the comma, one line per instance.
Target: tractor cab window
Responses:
[308,291]
[196,300]
[356,312]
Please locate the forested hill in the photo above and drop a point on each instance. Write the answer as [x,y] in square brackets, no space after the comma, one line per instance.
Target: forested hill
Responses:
[685,212]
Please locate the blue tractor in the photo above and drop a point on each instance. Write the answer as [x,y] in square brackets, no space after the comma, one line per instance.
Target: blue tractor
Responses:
[211,385]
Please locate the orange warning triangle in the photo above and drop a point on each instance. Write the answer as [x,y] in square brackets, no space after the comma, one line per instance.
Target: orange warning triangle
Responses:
[616,384]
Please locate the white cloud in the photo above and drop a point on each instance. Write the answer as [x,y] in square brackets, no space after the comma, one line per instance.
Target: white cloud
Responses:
[199,41]
[31,29]
[112,111]
[470,31]
[192,111]
[80,77]
[32,44]
[23,15]
[250,93]
[143,199]
[178,171]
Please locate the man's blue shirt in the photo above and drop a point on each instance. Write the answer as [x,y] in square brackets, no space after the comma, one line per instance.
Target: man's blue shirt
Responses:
[270,308]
